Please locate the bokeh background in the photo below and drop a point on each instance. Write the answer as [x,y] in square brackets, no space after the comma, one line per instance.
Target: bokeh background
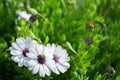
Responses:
[88,29]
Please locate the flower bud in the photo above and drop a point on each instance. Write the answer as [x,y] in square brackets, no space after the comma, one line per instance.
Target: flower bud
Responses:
[32,18]
[110,70]
[88,41]
[90,25]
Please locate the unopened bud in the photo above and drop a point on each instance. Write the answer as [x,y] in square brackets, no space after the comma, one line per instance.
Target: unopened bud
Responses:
[32,19]
[33,11]
[110,70]
[90,25]
[17,29]
[88,41]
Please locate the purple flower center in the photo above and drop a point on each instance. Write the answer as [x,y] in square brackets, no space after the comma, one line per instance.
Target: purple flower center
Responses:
[41,59]
[25,51]
[56,58]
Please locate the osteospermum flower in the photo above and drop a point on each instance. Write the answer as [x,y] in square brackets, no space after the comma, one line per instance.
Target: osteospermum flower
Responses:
[60,56]
[19,49]
[23,15]
[40,60]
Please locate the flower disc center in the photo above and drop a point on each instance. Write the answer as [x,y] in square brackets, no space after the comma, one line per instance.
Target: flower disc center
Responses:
[41,59]
[55,58]
[25,51]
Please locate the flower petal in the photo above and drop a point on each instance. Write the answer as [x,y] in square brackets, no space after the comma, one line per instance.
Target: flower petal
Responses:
[15,58]
[32,63]
[33,50]
[53,46]
[56,70]
[21,43]
[25,62]
[30,68]
[67,65]
[21,63]
[31,55]
[15,52]
[50,64]
[36,69]
[41,71]
[60,68]
[48,53]
[39,49]
[46,69]
[15,46]
[11,48]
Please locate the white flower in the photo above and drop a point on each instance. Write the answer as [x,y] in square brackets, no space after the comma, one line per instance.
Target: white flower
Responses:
[60,56]
[23,15]
[40,60]
[19,50]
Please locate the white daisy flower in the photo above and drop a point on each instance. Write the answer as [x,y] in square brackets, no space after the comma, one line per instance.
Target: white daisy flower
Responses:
[23,15]
[40,60]
[60,56]
[19,50]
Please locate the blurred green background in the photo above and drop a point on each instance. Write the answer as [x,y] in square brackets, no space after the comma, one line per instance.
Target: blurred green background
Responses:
[88,29]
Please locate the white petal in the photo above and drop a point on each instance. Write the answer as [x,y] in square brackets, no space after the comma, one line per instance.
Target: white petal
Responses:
[49,57]
[41,71]
[51,50]
[25,62]
[48,45]
[36,69]
[15,46]
[32,63]
[65,58]
[64,52]
[33,42]
[48,53]
[28,16]
[67,65]
[39,49]
[56,70]
[50,64]
[11,48]
[33,49]
[59,48]
[31,55]
[47,71]
[61,60]
[28,39]
[31,68]
[15,52]
[53,46]
[15,58]
[21,43]
[20,64]
[20,13]
[60,68]
[24,15]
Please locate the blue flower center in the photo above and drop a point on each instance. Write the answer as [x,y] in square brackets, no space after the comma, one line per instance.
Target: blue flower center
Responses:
[41,59]
[25,51]
[56,58]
